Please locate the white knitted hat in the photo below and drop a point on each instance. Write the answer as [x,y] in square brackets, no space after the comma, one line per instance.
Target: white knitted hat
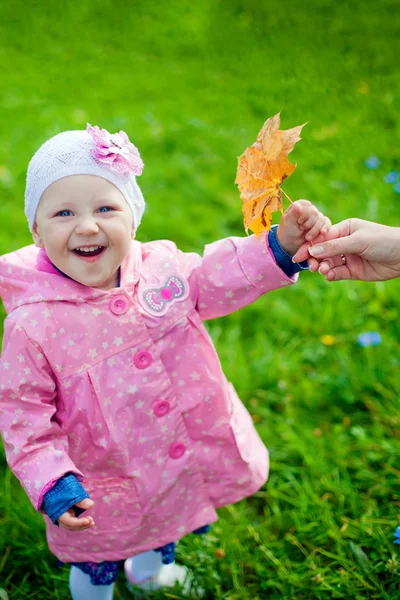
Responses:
[90,152]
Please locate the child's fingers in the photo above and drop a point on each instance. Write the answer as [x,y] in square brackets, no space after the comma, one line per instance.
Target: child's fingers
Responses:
[326,226]
[303,252]
[78,526]
[312,216]
[315,227]
[86,503]
[306,210]
[322,226]
[72,523]
[296,209]
[69,521]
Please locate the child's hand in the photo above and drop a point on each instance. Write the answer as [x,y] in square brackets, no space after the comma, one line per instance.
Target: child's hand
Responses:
[301,223]
[68,520]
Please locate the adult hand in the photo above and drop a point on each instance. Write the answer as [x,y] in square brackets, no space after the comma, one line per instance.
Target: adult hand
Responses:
[371,251]
[69,521]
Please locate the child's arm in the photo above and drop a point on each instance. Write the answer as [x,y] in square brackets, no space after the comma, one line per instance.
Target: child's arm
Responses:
[234,272]
[36,448]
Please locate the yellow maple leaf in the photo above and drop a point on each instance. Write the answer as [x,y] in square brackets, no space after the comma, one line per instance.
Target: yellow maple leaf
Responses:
[262,169]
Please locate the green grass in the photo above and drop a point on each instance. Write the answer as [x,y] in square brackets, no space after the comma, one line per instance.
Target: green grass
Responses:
[192,83]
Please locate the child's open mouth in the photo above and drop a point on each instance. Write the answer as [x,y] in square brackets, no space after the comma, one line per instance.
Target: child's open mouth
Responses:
[91,252]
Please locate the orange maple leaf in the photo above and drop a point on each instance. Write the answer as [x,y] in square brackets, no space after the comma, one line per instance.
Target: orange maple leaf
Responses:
[262,169]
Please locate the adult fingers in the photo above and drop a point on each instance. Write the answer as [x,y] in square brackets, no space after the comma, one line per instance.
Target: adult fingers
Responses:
[302,253]
[313,265]
[333,269]
[335,232]
[327,264]
[346,245]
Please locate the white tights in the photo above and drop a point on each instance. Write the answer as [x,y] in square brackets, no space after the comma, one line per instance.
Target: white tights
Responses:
[143,566]
[82,589]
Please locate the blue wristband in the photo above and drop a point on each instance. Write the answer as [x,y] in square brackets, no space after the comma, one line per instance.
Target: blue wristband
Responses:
[283,259]
[66,492]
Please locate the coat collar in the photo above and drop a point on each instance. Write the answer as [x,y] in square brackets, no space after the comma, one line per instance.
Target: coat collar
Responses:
[27,276]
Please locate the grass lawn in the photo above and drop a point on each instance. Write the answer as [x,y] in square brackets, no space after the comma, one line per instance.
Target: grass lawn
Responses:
[192,83]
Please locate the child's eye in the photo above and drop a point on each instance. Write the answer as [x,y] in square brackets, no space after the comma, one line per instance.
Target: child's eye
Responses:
[64,213]
[105,209]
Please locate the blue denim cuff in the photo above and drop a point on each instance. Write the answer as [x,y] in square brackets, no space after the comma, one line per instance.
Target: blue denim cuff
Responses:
[283,259]
[66,492]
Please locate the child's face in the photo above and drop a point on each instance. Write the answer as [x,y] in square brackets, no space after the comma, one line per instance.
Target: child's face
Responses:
[85,212]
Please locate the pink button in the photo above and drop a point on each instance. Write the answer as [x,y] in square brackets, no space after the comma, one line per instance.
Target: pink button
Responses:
[166,293]
[119,305]
[161,408]
[142,359]
[177,450]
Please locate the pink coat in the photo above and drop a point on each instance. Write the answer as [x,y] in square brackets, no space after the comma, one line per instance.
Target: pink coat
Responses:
[124,389]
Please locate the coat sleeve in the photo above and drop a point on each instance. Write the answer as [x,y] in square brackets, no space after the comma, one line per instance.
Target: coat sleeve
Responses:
[36,449]
[232,273]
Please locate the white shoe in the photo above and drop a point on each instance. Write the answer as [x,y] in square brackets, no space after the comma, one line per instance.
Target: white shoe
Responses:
[167,576]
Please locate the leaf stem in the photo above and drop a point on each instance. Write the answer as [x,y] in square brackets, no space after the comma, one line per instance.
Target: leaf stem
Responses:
[285,194]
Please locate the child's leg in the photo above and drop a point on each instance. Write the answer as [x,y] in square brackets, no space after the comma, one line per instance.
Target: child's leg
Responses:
[82,588]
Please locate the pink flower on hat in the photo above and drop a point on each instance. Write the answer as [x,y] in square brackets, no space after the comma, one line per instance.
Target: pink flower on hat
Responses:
[116,151]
